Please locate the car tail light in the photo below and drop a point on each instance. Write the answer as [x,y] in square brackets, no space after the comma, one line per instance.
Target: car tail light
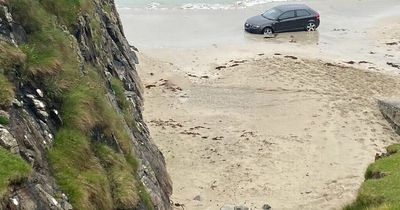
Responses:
[317,16]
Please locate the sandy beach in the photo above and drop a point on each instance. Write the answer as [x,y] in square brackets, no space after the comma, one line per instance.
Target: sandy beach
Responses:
[291,121]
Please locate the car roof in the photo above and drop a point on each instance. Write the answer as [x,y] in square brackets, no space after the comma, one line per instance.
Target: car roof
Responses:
[287,7]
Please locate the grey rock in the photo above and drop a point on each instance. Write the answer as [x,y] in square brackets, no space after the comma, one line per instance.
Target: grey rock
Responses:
[197,198]
[228,207]
[266,207]
[8,141]
[390,109]
[40,93]
[39,104]
[17,103]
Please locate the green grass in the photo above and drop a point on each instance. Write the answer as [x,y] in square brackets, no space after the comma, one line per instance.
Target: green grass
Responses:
[383,193]
[121,175]
[11,57]
[119,91]
[78,171]
[4,120]
[6,92]
[12,170]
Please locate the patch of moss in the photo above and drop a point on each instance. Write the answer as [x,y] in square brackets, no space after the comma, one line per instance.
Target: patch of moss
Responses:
[12,170]
[384,192]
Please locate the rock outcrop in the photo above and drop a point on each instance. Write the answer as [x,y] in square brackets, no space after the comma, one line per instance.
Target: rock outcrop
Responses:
[390,109]
[37,109]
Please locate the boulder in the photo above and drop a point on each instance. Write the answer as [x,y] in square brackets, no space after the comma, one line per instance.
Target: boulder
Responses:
[8,141]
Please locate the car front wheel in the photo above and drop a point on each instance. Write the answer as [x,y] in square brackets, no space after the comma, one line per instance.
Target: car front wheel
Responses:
[268,31]
[311,26]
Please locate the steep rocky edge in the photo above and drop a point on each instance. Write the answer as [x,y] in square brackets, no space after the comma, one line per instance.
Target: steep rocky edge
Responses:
[72,134]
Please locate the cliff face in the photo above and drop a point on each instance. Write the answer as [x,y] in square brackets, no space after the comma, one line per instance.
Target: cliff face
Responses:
[72,134]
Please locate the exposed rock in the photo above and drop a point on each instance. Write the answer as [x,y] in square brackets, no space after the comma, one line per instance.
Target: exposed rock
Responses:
[378,175]
[8,141]
[17,103]
[390,109]
[56,117]
[39,93]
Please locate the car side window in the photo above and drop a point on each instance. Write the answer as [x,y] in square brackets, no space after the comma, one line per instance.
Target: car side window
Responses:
[287,15]
[302,13]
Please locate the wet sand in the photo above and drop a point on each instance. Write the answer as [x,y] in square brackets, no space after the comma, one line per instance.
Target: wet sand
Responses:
[290,121]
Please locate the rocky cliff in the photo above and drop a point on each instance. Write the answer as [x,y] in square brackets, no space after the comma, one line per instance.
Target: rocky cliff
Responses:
[72,134]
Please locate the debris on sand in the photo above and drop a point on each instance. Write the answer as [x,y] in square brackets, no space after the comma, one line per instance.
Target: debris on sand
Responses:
[266,207]
[392,43]
[350,62]
[220,67]
[150,86]
[291,57]
[394,65]
[339,29]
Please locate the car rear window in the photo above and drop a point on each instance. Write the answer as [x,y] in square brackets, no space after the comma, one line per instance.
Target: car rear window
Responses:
[302,12]
[287,15]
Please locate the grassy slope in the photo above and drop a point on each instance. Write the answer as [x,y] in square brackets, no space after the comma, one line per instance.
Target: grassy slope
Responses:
[13,170]
[382,193]
[94,177]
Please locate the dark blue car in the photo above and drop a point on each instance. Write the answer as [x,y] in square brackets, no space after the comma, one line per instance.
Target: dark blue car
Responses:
[290,17]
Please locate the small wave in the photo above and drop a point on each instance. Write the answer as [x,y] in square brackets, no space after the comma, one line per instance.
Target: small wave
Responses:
[153,5]
[206,6]
[202,6]
[250,3]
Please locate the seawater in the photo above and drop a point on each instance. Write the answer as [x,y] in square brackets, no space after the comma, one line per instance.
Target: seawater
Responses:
[189,4]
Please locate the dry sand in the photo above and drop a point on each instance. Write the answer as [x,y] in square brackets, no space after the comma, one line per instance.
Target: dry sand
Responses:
[290,133]
[295,133]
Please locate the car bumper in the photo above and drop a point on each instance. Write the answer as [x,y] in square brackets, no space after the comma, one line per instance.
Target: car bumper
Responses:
[253,30]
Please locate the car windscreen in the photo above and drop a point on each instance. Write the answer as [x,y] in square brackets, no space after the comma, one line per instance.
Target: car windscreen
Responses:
[272,14]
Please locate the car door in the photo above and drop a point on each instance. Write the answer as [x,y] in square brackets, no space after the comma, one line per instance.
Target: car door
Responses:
[302,18]
[286,21]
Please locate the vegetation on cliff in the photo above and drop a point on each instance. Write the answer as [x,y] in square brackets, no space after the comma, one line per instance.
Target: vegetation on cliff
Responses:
[13,170]
[381,189]
[92,157]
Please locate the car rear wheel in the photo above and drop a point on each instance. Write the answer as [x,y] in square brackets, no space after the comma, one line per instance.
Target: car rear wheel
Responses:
[268,31]
[311,26]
